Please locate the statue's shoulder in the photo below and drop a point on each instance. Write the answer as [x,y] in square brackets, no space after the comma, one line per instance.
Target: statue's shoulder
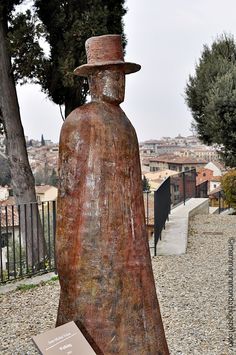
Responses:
[92,113]
[82,110]
[87,110]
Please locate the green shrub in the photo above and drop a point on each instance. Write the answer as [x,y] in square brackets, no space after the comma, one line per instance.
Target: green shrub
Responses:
[228,183]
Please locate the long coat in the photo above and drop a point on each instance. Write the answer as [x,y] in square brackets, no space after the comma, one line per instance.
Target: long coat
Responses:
[103,258]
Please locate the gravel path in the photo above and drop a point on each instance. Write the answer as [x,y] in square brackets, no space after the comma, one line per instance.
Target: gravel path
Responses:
[192,291]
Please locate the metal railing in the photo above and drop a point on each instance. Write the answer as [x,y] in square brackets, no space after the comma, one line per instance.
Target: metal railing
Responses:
[182,187]
[223,205]
[27,240]
[148,197]
[162,206]
[202,189]
[172,192]
[27,232]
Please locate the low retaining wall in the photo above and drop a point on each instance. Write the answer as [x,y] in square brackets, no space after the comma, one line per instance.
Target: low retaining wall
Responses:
[202,208]
[175,237]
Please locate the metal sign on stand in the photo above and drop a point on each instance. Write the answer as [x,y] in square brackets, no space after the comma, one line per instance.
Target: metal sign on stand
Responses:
[65,340]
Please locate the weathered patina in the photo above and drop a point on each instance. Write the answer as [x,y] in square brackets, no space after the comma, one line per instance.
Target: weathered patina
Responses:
[103,258]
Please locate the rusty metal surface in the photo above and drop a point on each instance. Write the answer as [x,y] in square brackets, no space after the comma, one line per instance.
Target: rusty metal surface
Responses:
[102,52]
[103,258]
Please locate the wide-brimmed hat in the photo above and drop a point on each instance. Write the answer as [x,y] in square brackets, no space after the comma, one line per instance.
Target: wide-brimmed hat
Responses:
[104,52]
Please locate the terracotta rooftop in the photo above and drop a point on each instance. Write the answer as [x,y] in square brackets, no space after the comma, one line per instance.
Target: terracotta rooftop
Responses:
[216,178]
[159,175]
[152,141]
[202,170]
[41,189]
[215,191]
[179,160]
[163,157]
[9,201]
[9,216]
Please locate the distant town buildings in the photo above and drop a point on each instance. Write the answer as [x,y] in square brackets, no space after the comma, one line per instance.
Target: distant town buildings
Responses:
[178,164]
[160,158]
[178,153]
[217,168]
[46,193]
[156,178]
[43,159]
[181,146]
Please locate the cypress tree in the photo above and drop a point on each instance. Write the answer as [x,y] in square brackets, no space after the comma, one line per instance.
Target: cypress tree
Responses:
[211,97]
[65,25]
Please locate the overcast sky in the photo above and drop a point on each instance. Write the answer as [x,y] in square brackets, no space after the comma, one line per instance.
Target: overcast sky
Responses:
[166,38]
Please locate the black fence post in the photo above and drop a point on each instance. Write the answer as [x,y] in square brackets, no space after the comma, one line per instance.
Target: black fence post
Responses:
[44,246]
[20,241]
[147,192]
[7,240]
[184,187]
[32,239]
[13,240]
[54,233]
[1,245]
[25,236]
[219,195]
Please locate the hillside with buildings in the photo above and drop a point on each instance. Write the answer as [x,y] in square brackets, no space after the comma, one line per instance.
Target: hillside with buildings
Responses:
[43,158]
[168,156]
[183,147]
[159,159]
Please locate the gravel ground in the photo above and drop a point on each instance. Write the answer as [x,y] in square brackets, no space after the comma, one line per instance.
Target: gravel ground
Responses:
[24,314]
[192,291]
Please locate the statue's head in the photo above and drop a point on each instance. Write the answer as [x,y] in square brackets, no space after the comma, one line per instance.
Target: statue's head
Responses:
[108,85]
[106,68]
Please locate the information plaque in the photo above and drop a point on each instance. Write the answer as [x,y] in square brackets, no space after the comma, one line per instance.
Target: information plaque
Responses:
[65,340]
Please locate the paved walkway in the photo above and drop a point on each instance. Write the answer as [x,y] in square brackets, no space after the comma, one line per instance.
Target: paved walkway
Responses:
[175,236]
[11,286]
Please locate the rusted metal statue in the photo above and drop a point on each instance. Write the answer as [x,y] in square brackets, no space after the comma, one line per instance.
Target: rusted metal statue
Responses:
[103,259]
